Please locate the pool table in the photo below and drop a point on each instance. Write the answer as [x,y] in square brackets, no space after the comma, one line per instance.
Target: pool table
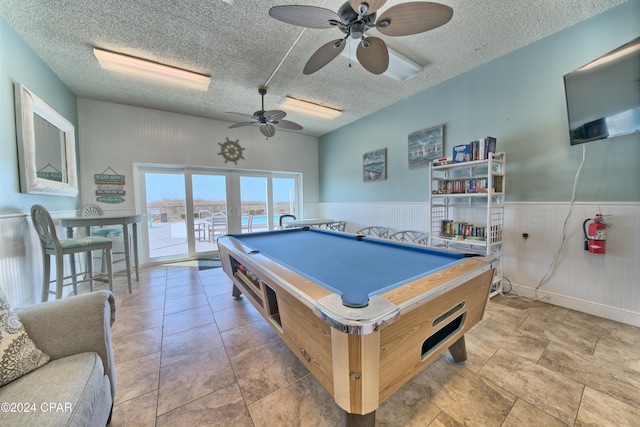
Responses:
[364,315]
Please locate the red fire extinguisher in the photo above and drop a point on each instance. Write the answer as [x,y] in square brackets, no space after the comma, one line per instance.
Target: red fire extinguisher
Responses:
[595,236]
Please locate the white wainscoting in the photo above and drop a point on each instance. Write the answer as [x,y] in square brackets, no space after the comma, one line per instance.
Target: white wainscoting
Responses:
[604,285]
[21,258]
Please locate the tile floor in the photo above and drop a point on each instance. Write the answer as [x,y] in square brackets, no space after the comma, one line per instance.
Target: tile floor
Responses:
[188,354]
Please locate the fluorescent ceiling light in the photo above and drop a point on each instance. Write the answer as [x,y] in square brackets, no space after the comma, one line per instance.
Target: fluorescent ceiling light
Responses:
[400,68]
[310,108]
[151,70]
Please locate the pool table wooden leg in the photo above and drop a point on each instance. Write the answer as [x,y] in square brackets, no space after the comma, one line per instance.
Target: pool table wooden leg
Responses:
[356,420]
[236,292]
[458,351]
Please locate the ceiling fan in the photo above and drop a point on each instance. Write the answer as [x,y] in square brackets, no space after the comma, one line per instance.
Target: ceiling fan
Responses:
[354,18]
[268,120]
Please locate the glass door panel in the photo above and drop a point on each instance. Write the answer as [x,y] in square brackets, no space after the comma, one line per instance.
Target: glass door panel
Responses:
[253,203]
[284,198]
[209,211]
[166,209]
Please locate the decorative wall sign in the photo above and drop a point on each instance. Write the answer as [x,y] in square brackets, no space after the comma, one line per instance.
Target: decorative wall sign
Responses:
[231,151]
[425,146]
[374,165]
[50,172]
[110,186]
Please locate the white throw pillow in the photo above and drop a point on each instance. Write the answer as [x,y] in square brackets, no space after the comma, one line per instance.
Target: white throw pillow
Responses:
[18,353]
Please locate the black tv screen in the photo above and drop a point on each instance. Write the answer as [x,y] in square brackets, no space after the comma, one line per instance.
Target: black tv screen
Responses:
[603,96]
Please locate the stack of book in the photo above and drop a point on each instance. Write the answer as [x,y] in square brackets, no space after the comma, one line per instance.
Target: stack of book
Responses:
[474,150]
[462,231]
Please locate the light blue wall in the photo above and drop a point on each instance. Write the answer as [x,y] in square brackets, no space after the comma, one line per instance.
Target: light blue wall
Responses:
[18,63]
[519,99]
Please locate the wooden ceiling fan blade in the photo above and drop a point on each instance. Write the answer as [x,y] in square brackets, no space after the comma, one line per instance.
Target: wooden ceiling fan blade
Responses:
[323,56]
[305,16]
[267,129]
[374,58]
[274,114]
[286,124]
[237,125]
[373,5]
[412,18]
[243,115]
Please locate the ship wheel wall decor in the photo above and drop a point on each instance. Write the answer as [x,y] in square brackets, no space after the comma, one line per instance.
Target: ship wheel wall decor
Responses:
[231,151]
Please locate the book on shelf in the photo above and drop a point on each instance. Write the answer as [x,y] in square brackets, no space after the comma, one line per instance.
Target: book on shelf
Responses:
[474,150]
[489,146]
[461,153]
[462,231]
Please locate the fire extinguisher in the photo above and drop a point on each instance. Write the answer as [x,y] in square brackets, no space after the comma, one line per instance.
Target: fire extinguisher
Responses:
[594,237]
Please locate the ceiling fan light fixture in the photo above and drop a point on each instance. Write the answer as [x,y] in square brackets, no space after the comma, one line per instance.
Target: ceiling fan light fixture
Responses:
[151,70]
[400,67]
[310,108]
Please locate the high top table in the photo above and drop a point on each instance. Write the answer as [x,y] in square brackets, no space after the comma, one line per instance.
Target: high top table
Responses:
[101,220]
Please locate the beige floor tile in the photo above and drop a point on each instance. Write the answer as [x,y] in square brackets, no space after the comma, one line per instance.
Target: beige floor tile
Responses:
[466,396]
[619,352]
[524,414]
[192,378]
[137,377]
[500,335]
[598,409]
[175,290]
[444,420]
[237,315]
[126,325]
[184,320]
[303,403]
[616,381]
[137,344]
[247,338]
[138,412]
[577,339]
[183,303]
[505,314]
[407,407]
[179,369]
[550,391]
[190,342]
[224,407]
[266,370]
[604,327]
[137,305]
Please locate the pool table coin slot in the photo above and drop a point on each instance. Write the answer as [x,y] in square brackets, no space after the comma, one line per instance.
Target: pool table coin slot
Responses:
[272,307]
[435,341]
[448,314]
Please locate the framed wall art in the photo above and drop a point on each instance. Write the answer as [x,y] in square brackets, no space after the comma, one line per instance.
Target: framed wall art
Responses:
[425,146]
[374,165]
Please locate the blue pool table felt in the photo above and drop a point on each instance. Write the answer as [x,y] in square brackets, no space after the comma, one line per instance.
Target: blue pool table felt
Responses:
[355,267]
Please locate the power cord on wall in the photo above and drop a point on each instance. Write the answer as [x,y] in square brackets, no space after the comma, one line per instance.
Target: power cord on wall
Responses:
[556,257]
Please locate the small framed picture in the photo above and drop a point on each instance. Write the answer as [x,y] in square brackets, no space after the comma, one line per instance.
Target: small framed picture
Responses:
[374,165]
[425,146]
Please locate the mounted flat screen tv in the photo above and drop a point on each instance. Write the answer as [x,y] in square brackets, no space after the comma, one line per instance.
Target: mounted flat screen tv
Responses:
[603,97]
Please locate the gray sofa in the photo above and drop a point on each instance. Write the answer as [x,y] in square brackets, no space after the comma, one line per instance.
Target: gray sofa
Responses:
[77,386]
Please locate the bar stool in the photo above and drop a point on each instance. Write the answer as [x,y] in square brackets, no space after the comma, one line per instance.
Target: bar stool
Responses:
[412,236]
[51,245]
[108,232]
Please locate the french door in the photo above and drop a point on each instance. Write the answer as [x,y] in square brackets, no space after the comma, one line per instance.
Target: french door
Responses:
[189,208]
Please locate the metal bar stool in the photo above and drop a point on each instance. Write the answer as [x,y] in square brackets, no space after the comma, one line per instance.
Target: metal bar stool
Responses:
[51,245]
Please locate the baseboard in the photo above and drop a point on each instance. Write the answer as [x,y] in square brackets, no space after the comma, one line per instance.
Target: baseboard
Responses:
[600,310]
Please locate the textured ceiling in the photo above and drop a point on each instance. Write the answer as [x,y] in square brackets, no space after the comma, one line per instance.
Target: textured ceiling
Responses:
[241,47]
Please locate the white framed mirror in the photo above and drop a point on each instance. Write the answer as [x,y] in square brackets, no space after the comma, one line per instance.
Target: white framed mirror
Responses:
[46,147]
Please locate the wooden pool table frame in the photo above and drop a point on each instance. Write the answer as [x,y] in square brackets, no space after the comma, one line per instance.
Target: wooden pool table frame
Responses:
[362,356]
